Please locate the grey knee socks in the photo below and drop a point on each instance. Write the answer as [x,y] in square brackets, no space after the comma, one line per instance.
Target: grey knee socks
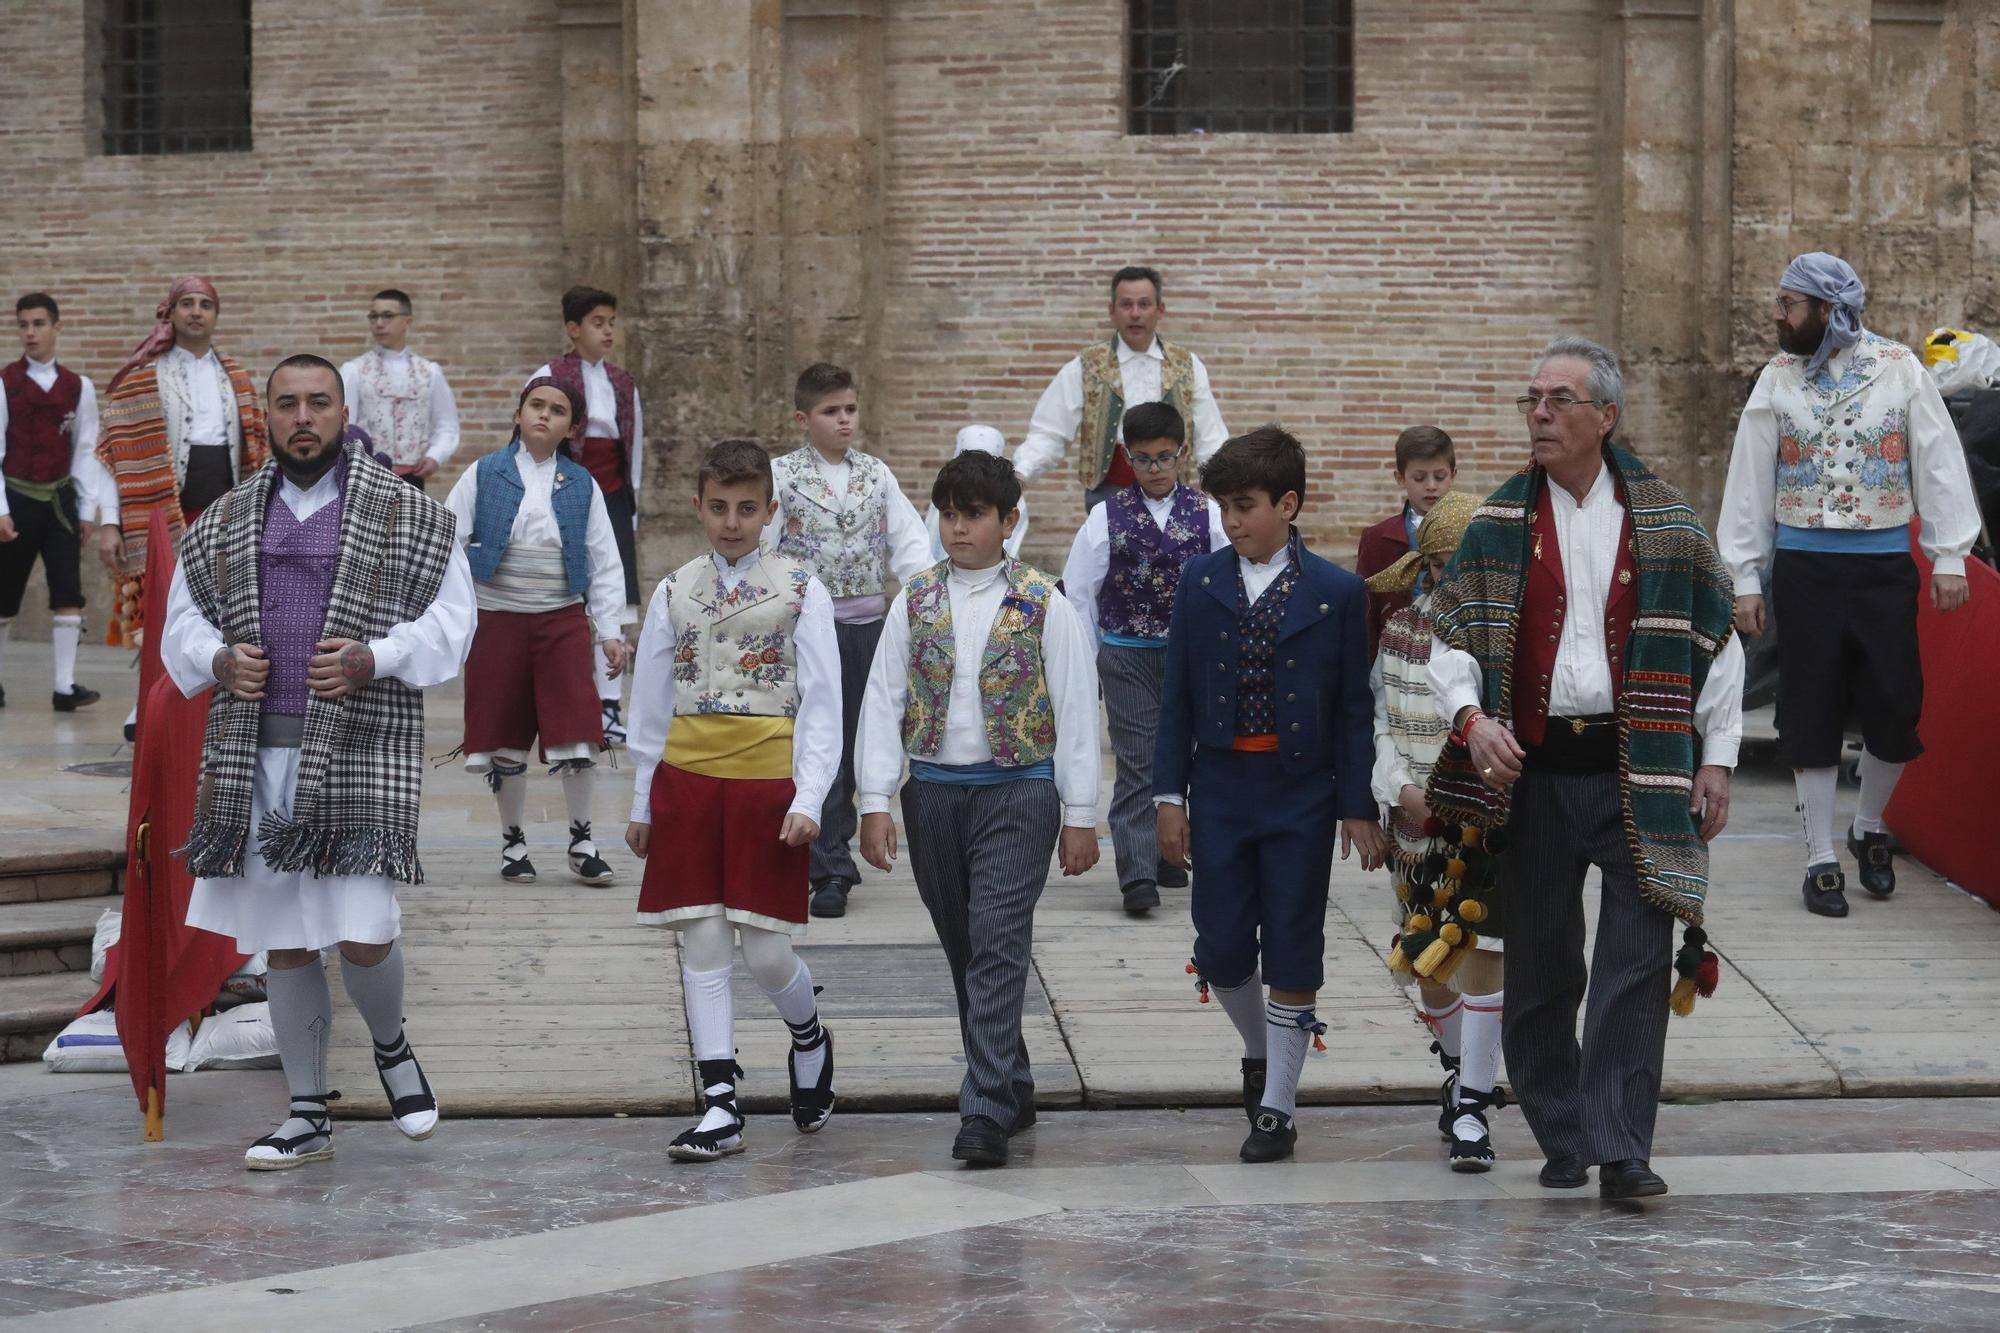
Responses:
[302,1020]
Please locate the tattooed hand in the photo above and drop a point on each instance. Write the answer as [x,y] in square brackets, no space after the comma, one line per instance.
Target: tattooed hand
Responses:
[339,666]
[242,670]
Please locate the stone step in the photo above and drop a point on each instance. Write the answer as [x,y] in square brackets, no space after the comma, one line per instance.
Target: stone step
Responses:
[43,937]
[34,1009]
[46,865]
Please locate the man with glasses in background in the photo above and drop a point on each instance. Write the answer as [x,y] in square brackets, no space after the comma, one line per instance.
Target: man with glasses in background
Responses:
[1843,441]
[399,398]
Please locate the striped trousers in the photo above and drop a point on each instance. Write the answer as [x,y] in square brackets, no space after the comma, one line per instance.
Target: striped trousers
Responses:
[1132,678]
[981,856]
[831,854]
[1597,1100]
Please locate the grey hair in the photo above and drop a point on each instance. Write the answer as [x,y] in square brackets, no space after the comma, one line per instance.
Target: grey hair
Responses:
[1607,381]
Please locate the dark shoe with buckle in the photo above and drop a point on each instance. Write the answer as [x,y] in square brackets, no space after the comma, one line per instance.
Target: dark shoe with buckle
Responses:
[829,896]
[1141,897]
[980,1142]
[1629,1179]
[77,697]
[1170,877]
[1567,1172]
[1825,890]
[1874,861]
[1254,1072]
[1272,1136]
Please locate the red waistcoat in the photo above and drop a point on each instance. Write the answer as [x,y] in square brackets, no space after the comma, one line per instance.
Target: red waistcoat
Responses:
[1542,610]
[40,423]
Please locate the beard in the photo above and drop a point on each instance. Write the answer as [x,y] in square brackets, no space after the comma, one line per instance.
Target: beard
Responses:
[1804,340]
[304,472]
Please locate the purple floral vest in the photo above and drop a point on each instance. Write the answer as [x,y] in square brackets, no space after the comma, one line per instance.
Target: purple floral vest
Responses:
[295,571]
[1137,599]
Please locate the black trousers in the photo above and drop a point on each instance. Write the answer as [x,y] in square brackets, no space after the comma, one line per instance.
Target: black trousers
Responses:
[38,535]
[619,507]
[831,855]
[1847,647]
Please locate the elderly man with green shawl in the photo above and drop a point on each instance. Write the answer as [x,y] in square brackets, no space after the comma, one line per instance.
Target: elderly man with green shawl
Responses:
[1585,657]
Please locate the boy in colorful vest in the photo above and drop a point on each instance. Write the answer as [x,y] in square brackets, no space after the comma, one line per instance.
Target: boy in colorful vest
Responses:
[1265,739]
[984,678]
[539,541]
[1122,571]
[842,514]
[735,738]
[1426,465]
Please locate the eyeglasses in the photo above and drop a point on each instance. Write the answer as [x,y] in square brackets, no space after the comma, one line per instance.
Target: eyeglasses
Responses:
[1782,306]
[1161,464]
[1558,402]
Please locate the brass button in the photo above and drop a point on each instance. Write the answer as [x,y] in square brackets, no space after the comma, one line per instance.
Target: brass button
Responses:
[1225,636]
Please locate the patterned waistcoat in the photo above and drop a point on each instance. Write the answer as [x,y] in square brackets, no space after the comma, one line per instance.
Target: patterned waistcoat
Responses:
[395,408]
[1843,441]
[499,500]
[844,538]
[41,423]
[1145,560]
[1104,401]
[296,566]
[733,648]
[1013,689]
[567,370]
[1257,649]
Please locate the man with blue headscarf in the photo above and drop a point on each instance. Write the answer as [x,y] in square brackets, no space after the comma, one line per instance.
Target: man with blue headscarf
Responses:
[1845,439]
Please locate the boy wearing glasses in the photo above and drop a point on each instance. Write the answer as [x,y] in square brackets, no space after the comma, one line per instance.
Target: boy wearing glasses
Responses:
[398,399]
[1426,466]
[1121,575]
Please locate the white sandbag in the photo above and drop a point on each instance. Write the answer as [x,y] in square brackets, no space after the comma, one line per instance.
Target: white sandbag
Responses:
[239,1039]
[109,922]
[90,1045]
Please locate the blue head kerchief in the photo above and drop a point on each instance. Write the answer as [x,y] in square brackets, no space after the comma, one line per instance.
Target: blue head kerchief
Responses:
[1830,278]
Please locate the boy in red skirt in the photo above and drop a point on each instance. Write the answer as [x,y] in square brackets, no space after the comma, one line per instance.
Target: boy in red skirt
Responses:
[735,738]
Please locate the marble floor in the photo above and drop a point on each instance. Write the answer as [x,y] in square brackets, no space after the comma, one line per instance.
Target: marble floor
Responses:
[1880,1214]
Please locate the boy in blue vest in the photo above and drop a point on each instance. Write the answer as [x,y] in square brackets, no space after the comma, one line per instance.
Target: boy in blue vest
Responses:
[541,548]
[1122,571]
[1266,740]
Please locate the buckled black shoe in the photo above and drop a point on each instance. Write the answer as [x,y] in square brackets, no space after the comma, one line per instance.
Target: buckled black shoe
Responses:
[1825,890]
[1272,1136]
[980,1142]
[1141,897]
[829,896]
[1253,1086]
[515,869]
[1474,1154]
[78,697]
[1629,1179]
[1874,861]
[1567,1172]
[1170,877]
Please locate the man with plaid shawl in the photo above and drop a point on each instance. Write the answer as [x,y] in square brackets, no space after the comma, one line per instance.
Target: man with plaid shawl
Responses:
[317,600]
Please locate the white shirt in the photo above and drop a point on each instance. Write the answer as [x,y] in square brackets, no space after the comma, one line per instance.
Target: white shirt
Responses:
[1258,577]
[1069,665]
[1089,560]
[535,525]
[600,410]
[208,423]
[909,540]
[1059,414]
[421,653]
[91,479]
[816,740]
[1587,533]
[443,406]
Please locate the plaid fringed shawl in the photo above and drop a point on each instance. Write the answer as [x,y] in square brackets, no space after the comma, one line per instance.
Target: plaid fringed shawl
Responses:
[1686,606]
[354,808]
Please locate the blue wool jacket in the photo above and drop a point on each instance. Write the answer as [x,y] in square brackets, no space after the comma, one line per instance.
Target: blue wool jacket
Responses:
[1326,715]
[499,500]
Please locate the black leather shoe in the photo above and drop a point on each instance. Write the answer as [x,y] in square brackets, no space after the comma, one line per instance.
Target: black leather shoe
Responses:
[830,896]
[1874,861]
[1170,877]
[1629,1179]
[1564,1173]
[79,696]
[1025,1117]
[1141,897]
[1253,1086]
[980,1142]
[1825,890]
[1272,1136]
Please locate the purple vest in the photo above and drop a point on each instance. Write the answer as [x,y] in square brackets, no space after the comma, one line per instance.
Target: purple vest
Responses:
[1137,599]
[295,569]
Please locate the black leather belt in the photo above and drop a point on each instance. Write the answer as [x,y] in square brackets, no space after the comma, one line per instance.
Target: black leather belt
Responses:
[1586,744]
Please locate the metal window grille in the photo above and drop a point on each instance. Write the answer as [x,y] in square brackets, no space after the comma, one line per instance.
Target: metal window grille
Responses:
[1242,66]
[175,76]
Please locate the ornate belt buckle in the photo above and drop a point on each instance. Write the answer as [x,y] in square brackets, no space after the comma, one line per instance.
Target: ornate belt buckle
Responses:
[1576,725]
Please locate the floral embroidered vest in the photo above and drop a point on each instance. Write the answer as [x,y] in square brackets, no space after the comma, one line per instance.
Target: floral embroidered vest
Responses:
[1020,719]
[1146,560]
[733,650]
[1843,437]
[1104,402]
[844,538]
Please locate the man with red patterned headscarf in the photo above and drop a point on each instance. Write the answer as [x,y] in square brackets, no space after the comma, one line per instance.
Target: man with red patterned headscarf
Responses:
[181,425]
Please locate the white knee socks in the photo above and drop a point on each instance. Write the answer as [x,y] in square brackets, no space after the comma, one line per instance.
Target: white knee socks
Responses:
[1878,784]
[711,1015]
[1479,1032]
[1816,794]
[64,633]
[1288,1036]
[799,1008]
[1445,1021]
[1245,1006]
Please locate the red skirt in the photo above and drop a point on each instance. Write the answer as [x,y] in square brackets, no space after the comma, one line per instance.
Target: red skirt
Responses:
[531,673]
[716,851]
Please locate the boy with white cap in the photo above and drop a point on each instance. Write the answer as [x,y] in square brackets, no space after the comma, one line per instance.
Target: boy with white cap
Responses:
[982,440]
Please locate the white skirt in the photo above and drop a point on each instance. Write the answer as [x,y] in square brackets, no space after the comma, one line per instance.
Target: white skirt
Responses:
[273,909]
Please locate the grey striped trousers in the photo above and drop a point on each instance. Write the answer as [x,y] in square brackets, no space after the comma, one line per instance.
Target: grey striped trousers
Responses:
[981,856]
[1132,678]
[1597,1101]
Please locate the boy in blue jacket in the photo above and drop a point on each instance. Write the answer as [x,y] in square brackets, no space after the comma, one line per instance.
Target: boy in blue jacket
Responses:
[1267,741]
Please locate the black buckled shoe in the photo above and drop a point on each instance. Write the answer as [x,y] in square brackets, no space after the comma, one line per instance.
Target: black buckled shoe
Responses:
[76,697]
[829,896]
[1825,890]
[706,1145]
[812,1107]
[587,865]
[1447,1091]
[1567,1172]
[1254,1072]
[980,1142]
[1170,877]
[1874,861]
[1474,1154]
[1272,1136]
[1141,896]
[516,869]
[1629,1179]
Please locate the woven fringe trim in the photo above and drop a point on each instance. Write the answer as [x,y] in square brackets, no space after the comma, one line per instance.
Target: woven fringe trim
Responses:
[291,846]
[214,850]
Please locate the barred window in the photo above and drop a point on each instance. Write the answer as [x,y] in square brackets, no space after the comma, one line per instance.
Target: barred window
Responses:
[175,76]
[1236,66]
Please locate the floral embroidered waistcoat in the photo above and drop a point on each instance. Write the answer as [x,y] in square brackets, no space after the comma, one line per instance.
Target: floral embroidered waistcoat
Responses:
[1104,401]
[844,538]
[395,406]
[733,647]
[1145,560]
[1013,688]
[1843,437]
